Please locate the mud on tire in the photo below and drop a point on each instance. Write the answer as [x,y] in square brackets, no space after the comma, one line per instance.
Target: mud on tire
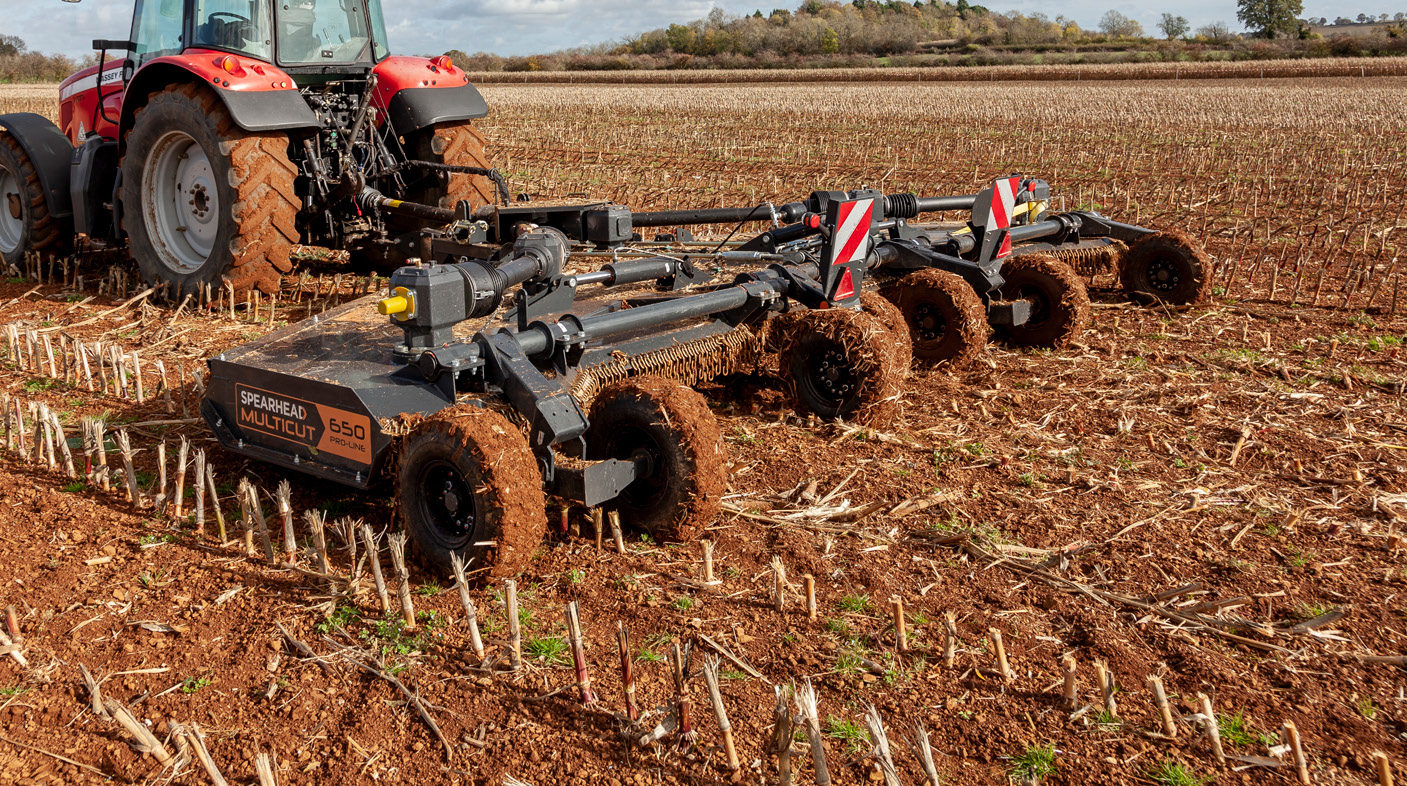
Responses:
[1060,308]
[842,364]
[1169,267]
[673,428]
[239,205]
[892,319]
[945,317]
[467,483]
[25,223]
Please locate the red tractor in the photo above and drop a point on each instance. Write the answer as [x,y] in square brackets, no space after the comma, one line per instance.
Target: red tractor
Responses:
[234,129]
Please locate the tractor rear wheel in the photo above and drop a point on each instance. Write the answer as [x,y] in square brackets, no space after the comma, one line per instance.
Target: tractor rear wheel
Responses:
[944,315]
[668,429]
[25,224]
[840,363]
[457,143]
[1060,309]
[203,201]
[468,484]
[1169,267]
[893,319]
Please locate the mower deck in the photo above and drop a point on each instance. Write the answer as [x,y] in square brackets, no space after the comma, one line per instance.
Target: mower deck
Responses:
[326,395]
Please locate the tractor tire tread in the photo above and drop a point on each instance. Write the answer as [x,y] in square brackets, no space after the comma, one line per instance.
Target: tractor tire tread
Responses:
[463,145]
[45,231]
[265,205]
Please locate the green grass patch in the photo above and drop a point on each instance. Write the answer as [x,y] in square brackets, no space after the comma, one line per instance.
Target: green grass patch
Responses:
[551,650]
[1035,763]
[1175,773]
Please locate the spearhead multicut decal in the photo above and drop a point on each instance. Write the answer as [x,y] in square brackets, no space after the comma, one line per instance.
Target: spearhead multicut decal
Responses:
[319,428]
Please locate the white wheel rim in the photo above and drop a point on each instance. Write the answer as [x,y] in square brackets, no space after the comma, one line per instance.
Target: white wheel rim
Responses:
[11,212]
[180,202]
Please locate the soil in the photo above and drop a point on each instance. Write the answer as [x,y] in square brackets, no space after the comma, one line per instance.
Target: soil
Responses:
[1249,449]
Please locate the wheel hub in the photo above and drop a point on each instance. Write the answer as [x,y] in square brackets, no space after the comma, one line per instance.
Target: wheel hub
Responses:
[180,202]
[929,324]
[447,501]
[12,218]
[832,375]
[1163,275]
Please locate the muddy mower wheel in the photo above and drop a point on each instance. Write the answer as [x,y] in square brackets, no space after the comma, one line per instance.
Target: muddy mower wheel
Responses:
[468,484]
[842,364]
[25,224]
[671,428]
[203,201]
[1169,267]
[945,317]
[893,319]
[1060,309]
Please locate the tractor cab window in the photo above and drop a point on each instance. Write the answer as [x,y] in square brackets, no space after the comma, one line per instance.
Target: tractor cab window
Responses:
[156,29]
[234,25]
[320,32]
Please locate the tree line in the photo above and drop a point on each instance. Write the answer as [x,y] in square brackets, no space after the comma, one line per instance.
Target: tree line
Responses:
[827,33]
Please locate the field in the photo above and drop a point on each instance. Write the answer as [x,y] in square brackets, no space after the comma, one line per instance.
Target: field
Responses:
[1209,495]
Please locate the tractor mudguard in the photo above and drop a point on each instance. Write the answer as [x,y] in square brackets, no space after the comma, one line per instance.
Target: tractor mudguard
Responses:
[269,111]
[259,96]
[418,93]
[50,152]
[421,107]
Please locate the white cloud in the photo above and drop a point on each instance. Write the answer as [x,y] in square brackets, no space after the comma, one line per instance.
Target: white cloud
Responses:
[516,27]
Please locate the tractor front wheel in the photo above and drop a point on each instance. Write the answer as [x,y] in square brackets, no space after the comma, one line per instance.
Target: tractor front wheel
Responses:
[25,224]
[203,201]
[1060,308]
[840,363]
[1169,267]
[944,315]
[468,484]
[669,432]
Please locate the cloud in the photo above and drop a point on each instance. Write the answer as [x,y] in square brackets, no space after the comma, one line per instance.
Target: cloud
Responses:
[517,27]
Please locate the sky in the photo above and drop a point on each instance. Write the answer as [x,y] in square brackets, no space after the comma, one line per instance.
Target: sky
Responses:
[516,27]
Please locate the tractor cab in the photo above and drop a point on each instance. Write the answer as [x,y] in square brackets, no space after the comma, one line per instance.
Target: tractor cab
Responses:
[296,35]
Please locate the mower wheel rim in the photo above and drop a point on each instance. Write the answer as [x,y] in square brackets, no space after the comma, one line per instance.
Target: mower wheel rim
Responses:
[1163,274]
[11,201]
[447,503]
[830,376]
[928,322]
[181,202]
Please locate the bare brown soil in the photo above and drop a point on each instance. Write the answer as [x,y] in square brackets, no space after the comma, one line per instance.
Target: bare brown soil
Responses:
[1207,488]
[1163,449]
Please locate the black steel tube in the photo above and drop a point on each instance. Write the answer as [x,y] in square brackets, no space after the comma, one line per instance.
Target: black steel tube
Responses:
[597,277]
[1036,231]
[536,342]
[937,204]
[636,270]
[722,215]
